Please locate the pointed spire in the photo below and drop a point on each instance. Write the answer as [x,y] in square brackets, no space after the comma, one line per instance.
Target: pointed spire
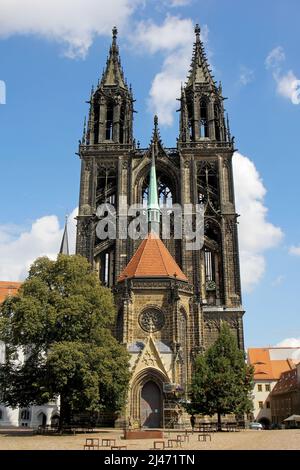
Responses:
[153,205]
[200,71]
[155,134]
[113,74]
[64,247]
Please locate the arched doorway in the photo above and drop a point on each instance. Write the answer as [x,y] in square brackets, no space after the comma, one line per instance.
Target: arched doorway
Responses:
[151,405]
[42,419]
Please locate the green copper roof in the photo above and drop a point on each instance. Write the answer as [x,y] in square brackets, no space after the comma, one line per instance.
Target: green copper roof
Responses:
[153,194]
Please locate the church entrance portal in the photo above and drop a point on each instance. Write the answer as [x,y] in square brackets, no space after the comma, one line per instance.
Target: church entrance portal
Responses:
[151,405]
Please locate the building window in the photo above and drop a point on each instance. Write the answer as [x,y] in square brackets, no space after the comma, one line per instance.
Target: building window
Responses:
[209,268]
[260,404]
[25,415]
[109,122]
[268,387]
[203,119]
[268,404]
[259,387]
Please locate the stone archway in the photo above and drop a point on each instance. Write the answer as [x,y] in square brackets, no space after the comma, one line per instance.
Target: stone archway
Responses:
[147,380]
[151,405]
[42,419]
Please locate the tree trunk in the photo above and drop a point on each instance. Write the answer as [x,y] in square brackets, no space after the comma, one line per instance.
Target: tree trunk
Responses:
[65,413]
[219,422]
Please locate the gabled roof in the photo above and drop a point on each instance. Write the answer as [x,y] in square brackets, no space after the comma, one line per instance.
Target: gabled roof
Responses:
[152,260]
[8,288]
[267,368]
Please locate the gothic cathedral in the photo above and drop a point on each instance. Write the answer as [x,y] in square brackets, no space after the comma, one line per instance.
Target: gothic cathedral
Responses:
[170,301]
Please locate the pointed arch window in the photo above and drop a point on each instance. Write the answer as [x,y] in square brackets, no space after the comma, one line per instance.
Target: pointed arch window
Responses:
[209,265]
[122,123]
[165,195]
[109,121]
[106,271]
[203,124]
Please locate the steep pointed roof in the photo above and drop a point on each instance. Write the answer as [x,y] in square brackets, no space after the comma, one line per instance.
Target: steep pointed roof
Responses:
[113,74]
[64,247]
[200,71]
[152,259]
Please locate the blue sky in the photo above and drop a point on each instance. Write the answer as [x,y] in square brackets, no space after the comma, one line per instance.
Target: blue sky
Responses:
[53,52]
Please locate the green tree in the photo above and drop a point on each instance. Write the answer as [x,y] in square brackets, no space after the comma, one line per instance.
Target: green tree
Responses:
[62,319]
[222,381]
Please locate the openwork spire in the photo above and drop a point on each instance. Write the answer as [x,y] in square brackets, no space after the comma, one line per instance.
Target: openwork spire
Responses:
[199,71]
[113,74]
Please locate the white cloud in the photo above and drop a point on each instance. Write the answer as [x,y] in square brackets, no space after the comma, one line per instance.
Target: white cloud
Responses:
[294,250]
[288,85]
[256,233]
[174,38]
[278,280]
[179,3]
[289,343]
[246,75]
[19,247]
[275,57]
[75,23]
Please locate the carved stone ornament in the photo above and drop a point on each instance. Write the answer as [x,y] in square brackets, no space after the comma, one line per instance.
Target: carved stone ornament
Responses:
[151,320]
[210,285]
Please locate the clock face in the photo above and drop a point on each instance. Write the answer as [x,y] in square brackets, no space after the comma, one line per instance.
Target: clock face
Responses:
[151,320]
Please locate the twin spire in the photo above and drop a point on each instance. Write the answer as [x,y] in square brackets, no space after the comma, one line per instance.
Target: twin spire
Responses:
[199,71]
[113,74]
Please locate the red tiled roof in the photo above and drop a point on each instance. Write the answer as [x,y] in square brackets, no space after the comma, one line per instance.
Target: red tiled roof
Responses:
[264,367]
[8,288]
[152,259]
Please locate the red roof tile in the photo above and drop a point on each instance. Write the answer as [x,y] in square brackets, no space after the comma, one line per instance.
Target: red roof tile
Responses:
[264,367]
[8,288]
[152,259]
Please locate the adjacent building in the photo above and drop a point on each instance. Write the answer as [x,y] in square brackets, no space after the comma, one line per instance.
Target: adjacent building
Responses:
[269,364]
[285,396]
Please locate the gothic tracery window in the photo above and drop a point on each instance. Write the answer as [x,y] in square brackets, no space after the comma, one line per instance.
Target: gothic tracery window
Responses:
[165,195]
[152,319]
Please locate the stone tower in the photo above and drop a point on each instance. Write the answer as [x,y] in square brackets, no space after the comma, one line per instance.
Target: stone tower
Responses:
[171,301]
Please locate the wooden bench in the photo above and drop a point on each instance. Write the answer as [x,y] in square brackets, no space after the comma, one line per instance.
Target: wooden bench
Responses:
[107,442]
[203,436]
[92,441]
[174,443]
[183,437]
[158,445]
[90,447]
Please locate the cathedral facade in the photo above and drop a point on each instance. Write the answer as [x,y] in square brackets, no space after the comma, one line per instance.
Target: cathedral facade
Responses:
[170,300]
